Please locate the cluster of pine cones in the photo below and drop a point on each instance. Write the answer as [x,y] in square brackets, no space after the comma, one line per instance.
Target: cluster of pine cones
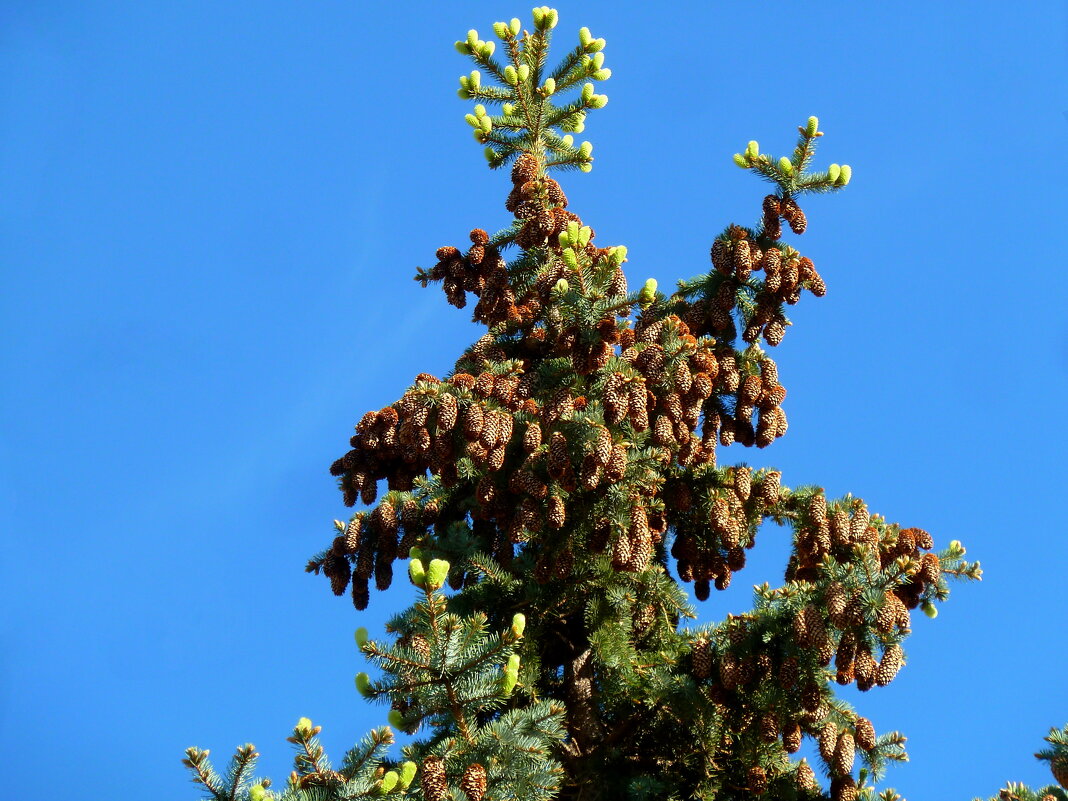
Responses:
[435,784]
[714,528]
[739,253]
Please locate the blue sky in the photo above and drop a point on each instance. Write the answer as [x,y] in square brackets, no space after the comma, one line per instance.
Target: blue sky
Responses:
[210,214]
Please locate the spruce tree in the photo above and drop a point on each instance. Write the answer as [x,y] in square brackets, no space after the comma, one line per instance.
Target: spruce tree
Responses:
[570,474]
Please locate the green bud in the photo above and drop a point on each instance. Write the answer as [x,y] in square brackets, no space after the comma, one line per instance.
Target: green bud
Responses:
[572,232]
[602,74]
[539,16]
[415,552]
[580,125]
[488,48]
[584,36]
[474,80]
[361,636]
[490,154]
[462,48]
[585,149]
[511,674]
[554,18]
[597,61]
[595,46]
[585,167]
[523,71]
[396,719]
[833,172]
[562,285]
[407,774]
[786,165]
[480,135]
[752,150]
[389,781]
[585,232]
[845,175]
[598,101]
[501,29]
[463,94]
[515,26]
[519,624]
[741,161]
[363,684]
[568,140]
[618,255]
[587,92]
[511,76]
[813,126]
[508,108]
[416,572]
[549,87]
[480,110]
[957,547]
[304,726]
[929,609]
[648,292]
[571,260]
[472,120]
[256,793]
[436,574]
[339,526]
[472,38]
[485,123]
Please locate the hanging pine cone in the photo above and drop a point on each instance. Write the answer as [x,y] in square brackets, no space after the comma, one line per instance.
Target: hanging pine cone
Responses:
[811,697]
[352,534]
[930,568]
[864,734]
[889,665]
[827,740]
[844,752]
[473,782]
[769,488]
[338,570]
[772,227]
[742,479]
[769,727]
[1059,768]
[806,779]
[663,431]
[435,785]
[559,460]
[556,514]
[702,589]
[702,658]
[361,595]
[864,667]
[758,780]
[774,332]
[843,788]
[793,215]
[791,738]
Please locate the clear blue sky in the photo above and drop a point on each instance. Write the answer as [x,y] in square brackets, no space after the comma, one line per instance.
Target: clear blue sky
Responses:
[210,214]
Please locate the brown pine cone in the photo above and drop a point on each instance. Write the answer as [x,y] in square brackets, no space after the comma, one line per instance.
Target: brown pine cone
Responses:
[435,785]
[791,738]
[758,780]
[473,782]
[889,665]
[844,753]
[827,740]
[702,659]
[864,734]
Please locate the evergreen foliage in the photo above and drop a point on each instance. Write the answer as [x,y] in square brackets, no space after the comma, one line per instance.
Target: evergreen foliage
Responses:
[565,469]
